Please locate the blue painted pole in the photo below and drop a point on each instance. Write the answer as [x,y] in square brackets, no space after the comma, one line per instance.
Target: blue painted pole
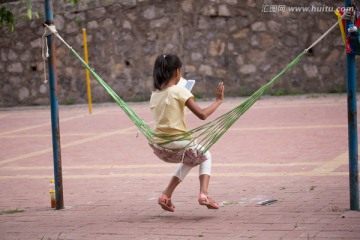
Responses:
[352,125]
[49,20]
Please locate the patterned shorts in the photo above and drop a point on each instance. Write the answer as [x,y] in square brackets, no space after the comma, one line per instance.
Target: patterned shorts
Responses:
[188,156]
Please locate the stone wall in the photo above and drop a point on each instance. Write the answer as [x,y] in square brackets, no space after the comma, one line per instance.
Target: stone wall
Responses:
[239,42]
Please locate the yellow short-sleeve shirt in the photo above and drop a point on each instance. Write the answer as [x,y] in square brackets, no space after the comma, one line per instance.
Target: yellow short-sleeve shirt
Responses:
[168,109]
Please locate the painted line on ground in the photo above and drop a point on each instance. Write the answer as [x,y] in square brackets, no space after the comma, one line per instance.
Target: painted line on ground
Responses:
[139,166]
[48,123]
[147,175]
[71,144]
[62,135]
[288,128]
[332,165]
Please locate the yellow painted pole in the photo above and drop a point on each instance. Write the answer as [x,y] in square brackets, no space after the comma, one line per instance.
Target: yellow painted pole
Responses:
[87,71]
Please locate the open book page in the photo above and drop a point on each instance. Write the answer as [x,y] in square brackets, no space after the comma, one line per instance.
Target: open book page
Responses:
[188,84]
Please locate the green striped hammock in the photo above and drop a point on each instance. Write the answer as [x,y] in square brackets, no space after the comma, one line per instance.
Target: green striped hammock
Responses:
[205,135]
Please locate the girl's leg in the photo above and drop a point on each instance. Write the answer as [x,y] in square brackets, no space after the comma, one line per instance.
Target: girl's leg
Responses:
[204,183]
[174,182]
[179,175]
[204,174]
[204,177]
[181,171]
[165,199]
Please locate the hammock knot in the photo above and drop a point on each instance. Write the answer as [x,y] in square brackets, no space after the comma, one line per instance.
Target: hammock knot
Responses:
[49,30]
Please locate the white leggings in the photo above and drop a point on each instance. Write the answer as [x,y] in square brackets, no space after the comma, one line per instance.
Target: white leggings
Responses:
[182,170]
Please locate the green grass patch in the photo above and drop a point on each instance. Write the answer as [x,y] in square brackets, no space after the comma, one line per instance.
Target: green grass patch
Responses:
[285,92]
[69,101]
[198,96]
[78,21]
[336,209]
[138,99]
[11,211]
[341,89]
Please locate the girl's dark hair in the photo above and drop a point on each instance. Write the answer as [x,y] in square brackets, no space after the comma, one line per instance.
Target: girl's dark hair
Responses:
[164,68]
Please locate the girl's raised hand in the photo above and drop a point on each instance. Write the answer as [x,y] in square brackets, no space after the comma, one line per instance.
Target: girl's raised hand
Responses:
[220,92]
[203,113]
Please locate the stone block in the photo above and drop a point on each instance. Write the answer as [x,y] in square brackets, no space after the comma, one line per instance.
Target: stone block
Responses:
[267,40]
[150,13]
[251,3]
[92,25]
[221,72]
[333,56]
[255,41]
[15,81]
[159,23]
[196,56]
[12,55]
[205,70]
[209,10]
[187,5]
[36,43]
[23,93]
[3,54]
[25,55]
[216,48]
[59,21]
[15,68]
[311,71]
[126,24]
[43,88]
[231,46]
[324,70]
[72,27]
[190,69]
[240,60]
[42,101]
[247,69]
[231,2]
[224,11]
[257,56]
[203,23]
[97,12]
[274,26]
[19,46]
[108,22]
[243,33]
[290,41]
[258,26]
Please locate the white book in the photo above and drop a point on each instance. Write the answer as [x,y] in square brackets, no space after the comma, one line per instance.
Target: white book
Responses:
[188,84]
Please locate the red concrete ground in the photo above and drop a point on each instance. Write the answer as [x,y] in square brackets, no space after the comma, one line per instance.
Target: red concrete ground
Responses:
[292,149]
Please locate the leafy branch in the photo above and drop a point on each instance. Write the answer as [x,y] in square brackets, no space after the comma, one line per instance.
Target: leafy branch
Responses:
[7,17]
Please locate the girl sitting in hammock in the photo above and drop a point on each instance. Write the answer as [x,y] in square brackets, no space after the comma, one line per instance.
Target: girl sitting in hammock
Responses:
[168,102]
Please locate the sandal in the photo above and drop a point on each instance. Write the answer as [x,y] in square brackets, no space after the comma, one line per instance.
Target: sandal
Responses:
[165,202]
[207,201]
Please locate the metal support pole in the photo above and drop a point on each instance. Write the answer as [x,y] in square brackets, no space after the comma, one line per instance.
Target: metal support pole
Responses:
[49,20]
[352,125]
[86,57]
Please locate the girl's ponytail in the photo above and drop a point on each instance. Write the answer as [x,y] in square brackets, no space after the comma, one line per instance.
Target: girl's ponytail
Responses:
[164,68]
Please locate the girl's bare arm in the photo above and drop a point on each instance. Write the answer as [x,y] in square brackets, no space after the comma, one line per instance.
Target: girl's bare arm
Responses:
[203,113]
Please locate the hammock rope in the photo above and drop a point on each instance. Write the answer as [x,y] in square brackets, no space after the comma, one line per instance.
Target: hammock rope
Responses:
[208,133]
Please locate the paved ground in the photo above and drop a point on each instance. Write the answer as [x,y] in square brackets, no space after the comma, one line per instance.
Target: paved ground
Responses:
[292,149]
